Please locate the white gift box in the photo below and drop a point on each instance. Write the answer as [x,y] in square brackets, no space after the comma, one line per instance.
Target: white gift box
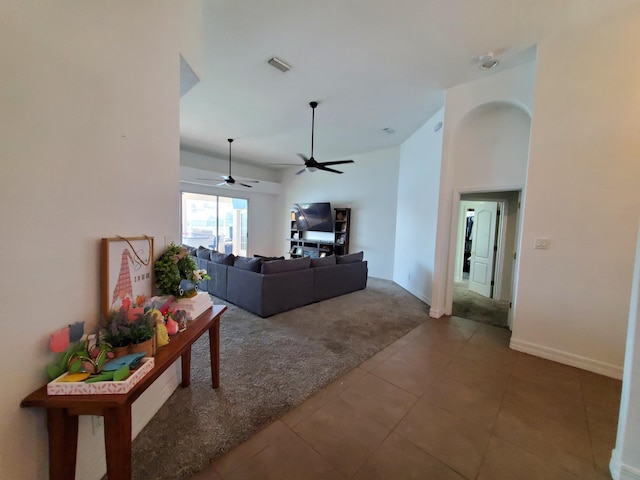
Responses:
[56,387]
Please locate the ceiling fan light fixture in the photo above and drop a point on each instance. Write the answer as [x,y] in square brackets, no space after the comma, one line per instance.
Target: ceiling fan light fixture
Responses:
[279,64]
[312,169]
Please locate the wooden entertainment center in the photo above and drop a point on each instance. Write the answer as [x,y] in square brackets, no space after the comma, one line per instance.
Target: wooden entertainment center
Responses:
[302,246]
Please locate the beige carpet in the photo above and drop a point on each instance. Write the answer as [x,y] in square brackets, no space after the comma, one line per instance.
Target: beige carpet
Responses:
[473,306]
[268,366]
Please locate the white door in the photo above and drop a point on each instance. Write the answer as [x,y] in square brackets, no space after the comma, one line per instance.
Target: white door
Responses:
[482,248]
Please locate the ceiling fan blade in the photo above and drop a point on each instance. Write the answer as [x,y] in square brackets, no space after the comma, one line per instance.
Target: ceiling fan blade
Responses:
[303,157]
[337,162]
[301,171]
[209,179]
[327,169]
[223,184]
[245,185]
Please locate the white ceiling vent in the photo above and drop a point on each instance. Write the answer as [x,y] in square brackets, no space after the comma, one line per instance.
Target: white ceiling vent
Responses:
[279,64]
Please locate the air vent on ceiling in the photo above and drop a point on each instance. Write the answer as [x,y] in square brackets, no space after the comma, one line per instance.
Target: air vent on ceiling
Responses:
[279,64]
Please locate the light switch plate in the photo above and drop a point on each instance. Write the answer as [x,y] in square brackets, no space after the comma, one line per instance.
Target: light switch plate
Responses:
[542,243]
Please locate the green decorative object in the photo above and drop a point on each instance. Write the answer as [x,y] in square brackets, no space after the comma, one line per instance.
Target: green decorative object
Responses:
[172,267]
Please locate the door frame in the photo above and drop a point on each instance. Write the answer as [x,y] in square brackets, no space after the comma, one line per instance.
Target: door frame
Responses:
[454,240]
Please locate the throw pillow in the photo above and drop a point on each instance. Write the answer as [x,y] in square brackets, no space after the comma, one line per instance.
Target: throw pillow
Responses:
[323,261]
[251,264]
[223,258]
[281,266]
[268,259]
[350,258]
[190,249]
[203,252]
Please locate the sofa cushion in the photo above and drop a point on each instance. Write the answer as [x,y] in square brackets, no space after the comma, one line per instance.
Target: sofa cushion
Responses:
[281,266]
[323,261]
[190,249]
[223,258]
[251,264]
[203,252]
[350,258]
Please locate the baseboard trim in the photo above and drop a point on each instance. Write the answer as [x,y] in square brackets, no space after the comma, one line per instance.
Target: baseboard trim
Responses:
[620,471]
[567,358]
[416,294]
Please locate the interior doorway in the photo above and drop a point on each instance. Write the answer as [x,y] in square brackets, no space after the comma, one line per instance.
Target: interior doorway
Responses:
[485,256]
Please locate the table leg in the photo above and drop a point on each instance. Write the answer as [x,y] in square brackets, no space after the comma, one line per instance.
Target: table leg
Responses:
[214,351]
[117,442]
[186,367]
[63,444]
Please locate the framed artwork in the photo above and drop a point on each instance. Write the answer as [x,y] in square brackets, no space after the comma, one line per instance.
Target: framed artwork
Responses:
[126,272]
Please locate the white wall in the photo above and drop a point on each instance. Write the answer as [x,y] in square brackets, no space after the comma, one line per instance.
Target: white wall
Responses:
[582,192]
[89,140]
[369,187]
[416,214]
[484,149]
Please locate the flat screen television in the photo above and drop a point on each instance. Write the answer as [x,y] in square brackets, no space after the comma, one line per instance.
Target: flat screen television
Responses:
[313,217]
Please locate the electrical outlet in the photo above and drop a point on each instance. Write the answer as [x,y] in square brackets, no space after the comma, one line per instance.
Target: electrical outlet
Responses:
[96,423]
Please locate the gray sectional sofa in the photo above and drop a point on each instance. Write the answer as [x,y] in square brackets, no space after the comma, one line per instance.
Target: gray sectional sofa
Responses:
[267,285]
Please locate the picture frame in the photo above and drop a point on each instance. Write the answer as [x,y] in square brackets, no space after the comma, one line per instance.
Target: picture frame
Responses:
[126,272]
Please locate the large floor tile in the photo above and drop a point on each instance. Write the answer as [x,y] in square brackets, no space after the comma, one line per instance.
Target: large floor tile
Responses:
[237,457]
[343,435]
[556,443]
[505,461]
[552,375]
[399,459]
[480,373]
[410,374]
[313,403]
[454,441]
[473,404]
[379,399]
[288,458]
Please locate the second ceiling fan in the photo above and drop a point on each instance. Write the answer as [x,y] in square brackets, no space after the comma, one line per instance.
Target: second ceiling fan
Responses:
[228,179]
[311,163]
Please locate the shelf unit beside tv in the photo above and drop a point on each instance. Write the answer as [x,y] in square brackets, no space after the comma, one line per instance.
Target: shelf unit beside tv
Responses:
[306,247]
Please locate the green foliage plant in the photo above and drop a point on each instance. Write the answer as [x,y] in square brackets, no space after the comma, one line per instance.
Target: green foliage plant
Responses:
[118,329]
[171,268]
[142,329]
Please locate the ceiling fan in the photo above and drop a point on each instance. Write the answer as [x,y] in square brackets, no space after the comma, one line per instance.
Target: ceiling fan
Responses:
[311,164]
[228,179]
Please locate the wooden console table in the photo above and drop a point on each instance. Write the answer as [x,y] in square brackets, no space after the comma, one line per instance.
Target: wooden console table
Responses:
[63,410]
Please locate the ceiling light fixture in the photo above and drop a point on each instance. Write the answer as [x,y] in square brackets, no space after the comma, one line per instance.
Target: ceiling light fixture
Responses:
[488,61]
[279,64]
[389,130]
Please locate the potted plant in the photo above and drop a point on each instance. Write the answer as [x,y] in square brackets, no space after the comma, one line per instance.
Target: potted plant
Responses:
[118,333]
[142,333]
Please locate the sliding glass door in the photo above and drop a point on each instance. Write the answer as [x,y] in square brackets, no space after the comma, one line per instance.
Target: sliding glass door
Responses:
[216,222]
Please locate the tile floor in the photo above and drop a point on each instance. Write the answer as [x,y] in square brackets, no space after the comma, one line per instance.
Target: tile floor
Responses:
[448,401]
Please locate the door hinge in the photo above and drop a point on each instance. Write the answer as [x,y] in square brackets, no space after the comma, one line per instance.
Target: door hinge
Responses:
[510,305]
[495,248]
[514,255]
[492,283]
[518,204]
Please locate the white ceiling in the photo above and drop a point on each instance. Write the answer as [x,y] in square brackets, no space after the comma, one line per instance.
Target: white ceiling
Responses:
[371,64]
